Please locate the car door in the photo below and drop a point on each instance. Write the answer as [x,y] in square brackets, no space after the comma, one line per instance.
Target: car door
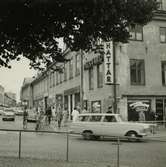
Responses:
[110,126]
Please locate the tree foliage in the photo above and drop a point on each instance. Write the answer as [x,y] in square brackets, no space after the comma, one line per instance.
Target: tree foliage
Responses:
[30,28]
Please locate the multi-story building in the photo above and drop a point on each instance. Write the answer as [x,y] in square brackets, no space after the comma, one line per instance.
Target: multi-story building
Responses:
[10,99]
[140,69]
[26,92]
[1,95]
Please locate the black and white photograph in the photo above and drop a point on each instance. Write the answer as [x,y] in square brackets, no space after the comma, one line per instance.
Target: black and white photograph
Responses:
[82,83]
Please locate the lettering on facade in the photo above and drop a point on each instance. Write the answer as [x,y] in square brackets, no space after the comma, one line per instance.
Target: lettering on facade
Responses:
[94,61]
[108,62]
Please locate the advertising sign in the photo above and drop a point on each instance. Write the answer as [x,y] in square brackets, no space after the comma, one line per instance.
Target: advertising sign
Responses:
[108,63]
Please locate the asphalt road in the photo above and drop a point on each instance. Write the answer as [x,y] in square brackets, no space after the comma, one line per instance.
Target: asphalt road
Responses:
[53,146]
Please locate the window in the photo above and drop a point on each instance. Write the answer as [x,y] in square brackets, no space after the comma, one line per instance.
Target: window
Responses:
[95,118]
[57,78]
[84,118]
[163,67]
[91,79]
[136,33]
[110,119]
[78,65]
[100,75]
[65,72]
[137,72]
[160,4]
[71,69]
[163,34]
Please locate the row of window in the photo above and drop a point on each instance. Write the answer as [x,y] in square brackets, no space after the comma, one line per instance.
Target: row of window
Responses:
[66,73]
[137,33]
[137,74]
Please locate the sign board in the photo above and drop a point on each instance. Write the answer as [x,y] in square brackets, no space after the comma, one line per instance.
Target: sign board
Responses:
[108,63]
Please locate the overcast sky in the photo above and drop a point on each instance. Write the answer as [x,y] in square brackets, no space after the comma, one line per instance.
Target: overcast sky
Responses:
[12,79]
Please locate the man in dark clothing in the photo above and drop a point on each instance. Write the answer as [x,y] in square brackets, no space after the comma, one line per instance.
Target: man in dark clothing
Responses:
[49,114]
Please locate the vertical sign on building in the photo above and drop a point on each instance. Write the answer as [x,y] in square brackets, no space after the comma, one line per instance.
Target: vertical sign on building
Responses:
[108,63]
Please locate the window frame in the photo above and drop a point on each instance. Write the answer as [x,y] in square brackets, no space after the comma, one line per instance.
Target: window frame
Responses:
[135,33]
[137,78]
[91,78]
[99,83]
[162,71]
[164,34]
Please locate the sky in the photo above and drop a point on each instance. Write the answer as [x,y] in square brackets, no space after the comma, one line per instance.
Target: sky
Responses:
[12,79]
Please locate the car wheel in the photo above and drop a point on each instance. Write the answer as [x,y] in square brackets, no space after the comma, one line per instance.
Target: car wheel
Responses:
[87,135]
[133,137]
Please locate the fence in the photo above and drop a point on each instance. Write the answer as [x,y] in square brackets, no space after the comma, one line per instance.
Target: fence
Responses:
[67,134]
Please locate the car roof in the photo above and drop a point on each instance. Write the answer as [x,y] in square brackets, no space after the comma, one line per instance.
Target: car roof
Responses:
[97,114]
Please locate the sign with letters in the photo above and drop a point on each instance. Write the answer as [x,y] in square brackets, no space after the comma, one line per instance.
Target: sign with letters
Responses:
[108,63]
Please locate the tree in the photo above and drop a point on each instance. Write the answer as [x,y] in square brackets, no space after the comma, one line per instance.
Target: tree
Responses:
[30,28]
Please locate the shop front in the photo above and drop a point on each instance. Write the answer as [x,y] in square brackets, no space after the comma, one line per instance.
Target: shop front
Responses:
[153,108]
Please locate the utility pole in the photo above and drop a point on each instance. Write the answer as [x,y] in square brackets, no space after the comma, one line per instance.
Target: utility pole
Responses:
[114,79]
[82,81]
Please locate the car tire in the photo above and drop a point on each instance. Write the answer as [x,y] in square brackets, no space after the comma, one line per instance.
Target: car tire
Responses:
[87,135]
[132,136]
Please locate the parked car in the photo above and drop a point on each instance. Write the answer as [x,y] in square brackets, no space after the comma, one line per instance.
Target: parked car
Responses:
[8,115]
[31,116]
[102,124]
[19,112]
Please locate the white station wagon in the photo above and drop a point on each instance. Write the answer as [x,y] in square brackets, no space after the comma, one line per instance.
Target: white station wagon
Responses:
[103,124]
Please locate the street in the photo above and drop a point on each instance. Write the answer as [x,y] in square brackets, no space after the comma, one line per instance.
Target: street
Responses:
[53,146]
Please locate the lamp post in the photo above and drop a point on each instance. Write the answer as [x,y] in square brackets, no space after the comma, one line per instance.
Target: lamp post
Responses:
[82,82]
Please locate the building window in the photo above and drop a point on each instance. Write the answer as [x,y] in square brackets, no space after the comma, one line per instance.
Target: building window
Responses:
[65,72]
[163,67]
[57,78]
[137,72]
[61,77]
[136,33]
[71,69]
[100,75]
[91,79]
[160,4]
[163,34]
[77,65]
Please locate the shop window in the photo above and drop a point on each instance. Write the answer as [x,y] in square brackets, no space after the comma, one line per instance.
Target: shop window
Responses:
[100,75]
[91,79]
[57,78]
[96,106]
[163,34]
[136,33]
[163,67]
[137,72]
[77,65]
[159,109]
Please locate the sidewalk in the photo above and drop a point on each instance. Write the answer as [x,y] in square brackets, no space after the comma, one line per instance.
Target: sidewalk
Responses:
[27,162]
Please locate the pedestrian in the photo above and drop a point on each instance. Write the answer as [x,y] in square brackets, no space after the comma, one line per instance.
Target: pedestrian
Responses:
[25,118]
[142,116]
[59,117]
[75,114]
[53,111]
[65,117]
[109,109]
[49,114]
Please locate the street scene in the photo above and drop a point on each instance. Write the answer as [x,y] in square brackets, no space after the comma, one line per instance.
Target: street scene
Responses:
[83,83]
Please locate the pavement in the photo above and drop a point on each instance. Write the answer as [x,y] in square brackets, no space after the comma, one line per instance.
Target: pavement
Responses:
[32,162]
[27,162]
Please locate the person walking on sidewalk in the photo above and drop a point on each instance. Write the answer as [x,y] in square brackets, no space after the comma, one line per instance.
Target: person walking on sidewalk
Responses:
[49,114]
[25,118]
[59,116]
[75,114]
